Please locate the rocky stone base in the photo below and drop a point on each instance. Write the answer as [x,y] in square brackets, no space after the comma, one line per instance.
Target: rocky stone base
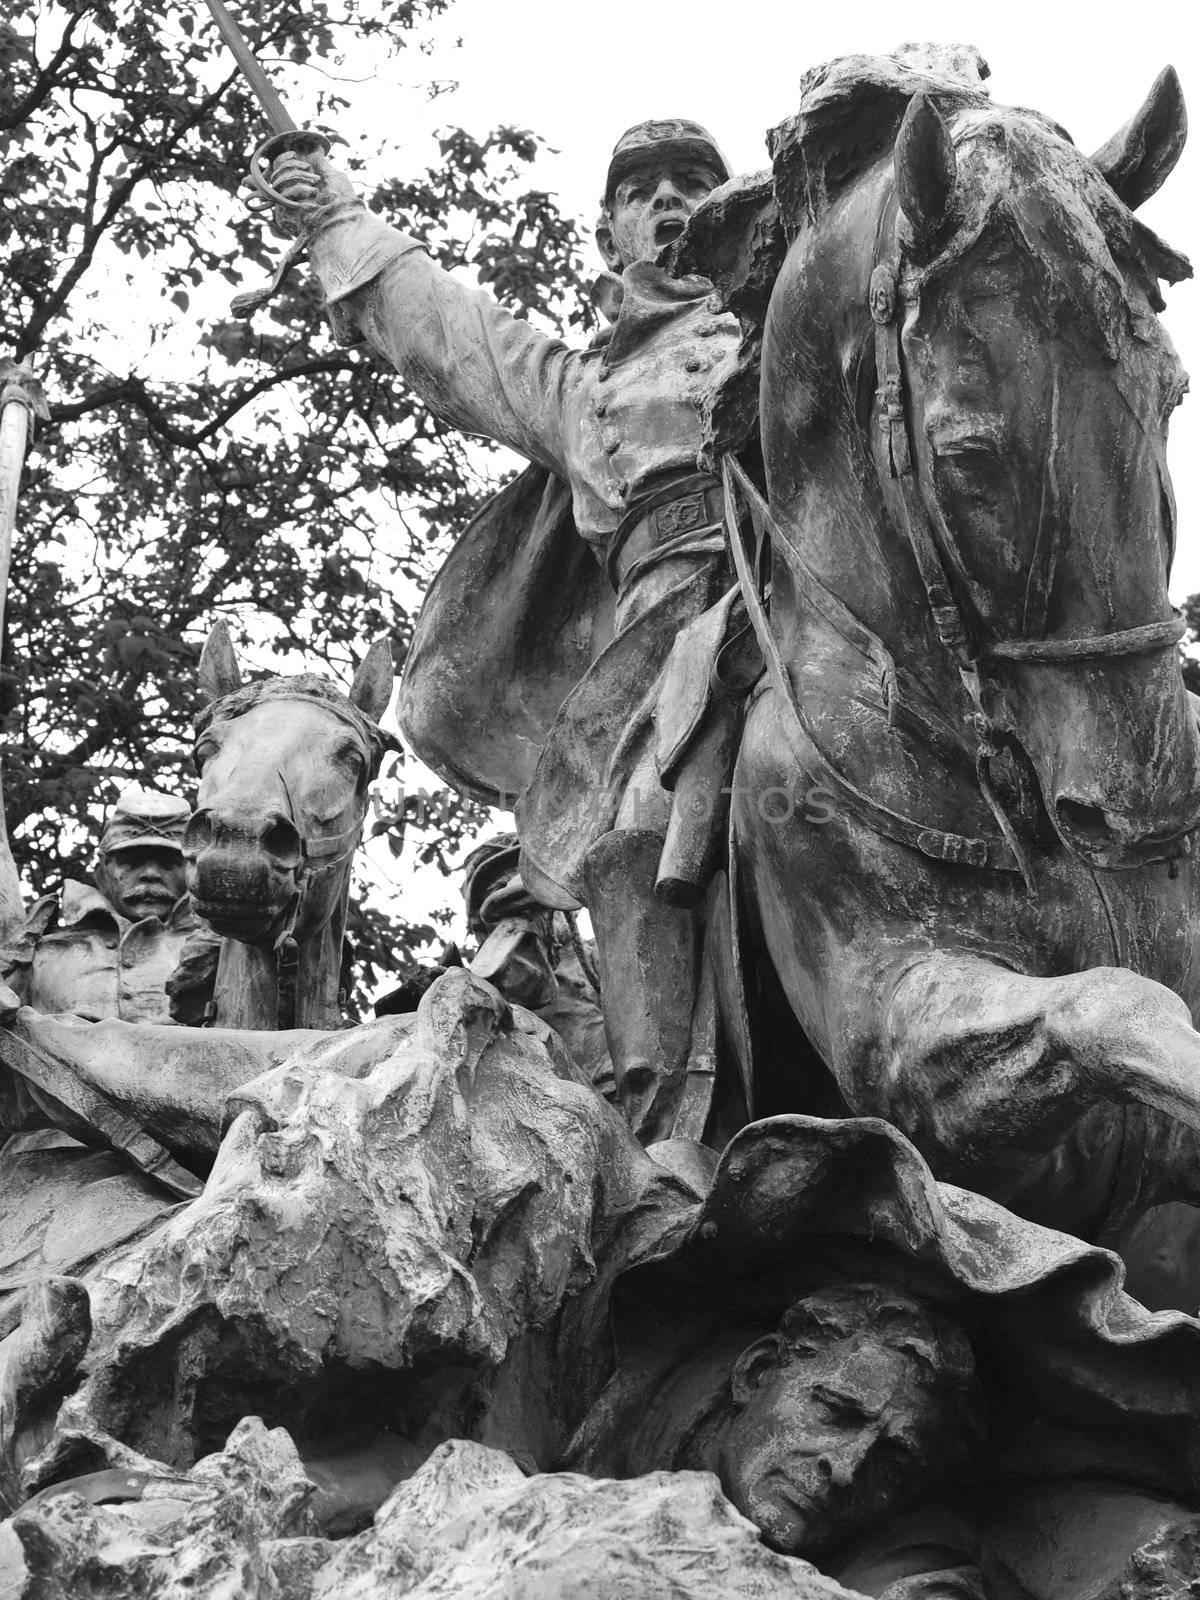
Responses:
[468,1524]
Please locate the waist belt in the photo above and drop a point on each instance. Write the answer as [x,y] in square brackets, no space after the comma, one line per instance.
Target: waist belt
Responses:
[662,523]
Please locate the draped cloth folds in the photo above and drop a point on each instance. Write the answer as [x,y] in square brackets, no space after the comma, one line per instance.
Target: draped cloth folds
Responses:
[1080,1379]
[516,690]
[511,623]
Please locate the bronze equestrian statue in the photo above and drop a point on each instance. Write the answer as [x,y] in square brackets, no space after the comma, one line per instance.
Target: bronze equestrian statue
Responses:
[591,565]
[987,936]
[285,768]
[964,399]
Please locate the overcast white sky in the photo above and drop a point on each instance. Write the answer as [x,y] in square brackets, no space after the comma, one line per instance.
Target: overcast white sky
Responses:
[579,75]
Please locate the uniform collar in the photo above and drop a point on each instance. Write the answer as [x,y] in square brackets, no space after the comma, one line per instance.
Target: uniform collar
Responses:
[642,299]
[81,902]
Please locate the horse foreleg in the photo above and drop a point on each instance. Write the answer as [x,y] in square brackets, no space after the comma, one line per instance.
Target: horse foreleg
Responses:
[987,1069]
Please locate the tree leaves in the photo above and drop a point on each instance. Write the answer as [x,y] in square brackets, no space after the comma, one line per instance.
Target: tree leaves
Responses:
[196,466]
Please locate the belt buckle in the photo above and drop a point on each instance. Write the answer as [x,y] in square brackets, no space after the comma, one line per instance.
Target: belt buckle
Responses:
[680,516]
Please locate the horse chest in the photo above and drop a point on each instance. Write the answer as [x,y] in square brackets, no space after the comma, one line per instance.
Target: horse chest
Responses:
[1142,919]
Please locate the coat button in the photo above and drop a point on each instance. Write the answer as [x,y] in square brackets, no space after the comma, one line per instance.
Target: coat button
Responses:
[612,446]
[692,364]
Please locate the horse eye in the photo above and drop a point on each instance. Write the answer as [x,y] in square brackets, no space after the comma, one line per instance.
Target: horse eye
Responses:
[351,757]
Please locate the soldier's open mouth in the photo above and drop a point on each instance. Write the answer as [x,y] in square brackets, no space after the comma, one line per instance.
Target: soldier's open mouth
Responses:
[667,231]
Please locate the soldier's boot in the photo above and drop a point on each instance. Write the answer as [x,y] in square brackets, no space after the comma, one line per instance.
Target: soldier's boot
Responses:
[648,959]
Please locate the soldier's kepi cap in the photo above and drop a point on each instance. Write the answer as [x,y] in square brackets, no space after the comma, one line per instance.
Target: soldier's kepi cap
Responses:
[492,885]
[647,143]
[142,819]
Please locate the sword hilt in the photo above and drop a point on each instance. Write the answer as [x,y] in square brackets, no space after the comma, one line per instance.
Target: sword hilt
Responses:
[299,142]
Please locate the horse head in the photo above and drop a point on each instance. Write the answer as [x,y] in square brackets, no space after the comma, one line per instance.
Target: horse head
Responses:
[964,401]
[284,766]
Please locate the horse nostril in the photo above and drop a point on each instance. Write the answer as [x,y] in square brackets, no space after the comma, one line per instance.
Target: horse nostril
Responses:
[198,835]
[1088,824]
[281,841]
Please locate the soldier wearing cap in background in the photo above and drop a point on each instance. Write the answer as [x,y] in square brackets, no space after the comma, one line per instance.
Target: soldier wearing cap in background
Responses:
[107,949]
[534,956]
[548,691]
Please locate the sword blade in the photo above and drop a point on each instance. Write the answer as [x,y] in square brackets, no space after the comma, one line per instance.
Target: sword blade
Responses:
[260,84]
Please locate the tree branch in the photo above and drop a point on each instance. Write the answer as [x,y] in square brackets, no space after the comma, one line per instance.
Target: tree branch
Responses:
[44,82]
[134,391]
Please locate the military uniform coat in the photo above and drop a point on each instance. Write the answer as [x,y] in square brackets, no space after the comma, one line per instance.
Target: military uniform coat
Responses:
[89,960]
[528,674]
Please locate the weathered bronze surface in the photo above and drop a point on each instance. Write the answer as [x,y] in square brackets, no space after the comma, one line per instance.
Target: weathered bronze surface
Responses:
[875,1368]
[532,678]
[285,766]
[987,937]
[442,1320]
[107,949]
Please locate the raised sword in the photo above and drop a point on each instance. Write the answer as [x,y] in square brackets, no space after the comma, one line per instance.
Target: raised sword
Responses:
[286,135]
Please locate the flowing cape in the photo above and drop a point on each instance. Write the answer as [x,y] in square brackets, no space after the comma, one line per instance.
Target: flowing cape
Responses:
[1079,1378]
[512,622]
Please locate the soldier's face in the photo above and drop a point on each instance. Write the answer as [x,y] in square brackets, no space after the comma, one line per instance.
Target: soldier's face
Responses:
[144,882]
[825,1445]
[650,208]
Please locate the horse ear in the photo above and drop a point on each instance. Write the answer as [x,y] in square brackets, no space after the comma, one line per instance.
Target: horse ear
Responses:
[219,674]
[1139,158]
[925,169]
[372,686]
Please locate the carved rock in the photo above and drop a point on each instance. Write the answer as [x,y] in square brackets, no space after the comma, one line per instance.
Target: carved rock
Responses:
[468,1524]
[401,1198]
[135,1530]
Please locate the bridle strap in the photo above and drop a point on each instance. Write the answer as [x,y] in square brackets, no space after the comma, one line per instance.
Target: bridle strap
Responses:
[327,854]
[1152,636]
[937,843]
[902,494]
[908,507]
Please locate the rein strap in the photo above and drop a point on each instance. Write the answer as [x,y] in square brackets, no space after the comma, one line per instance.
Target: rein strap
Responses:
[938,844]
[1152,636]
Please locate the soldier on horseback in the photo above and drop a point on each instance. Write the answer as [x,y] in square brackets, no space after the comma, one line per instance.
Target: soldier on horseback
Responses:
[614,432]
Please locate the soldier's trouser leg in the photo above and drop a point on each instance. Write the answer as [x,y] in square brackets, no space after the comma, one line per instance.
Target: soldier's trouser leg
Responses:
[648,958]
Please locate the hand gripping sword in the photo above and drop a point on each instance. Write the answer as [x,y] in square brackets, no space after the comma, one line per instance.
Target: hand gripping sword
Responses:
[286,136]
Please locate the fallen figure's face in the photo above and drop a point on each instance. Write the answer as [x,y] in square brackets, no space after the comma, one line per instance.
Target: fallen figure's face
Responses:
[846,1412]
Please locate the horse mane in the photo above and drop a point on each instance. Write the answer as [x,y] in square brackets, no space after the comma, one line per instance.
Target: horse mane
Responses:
[849,116]
[850,112]
[303,686]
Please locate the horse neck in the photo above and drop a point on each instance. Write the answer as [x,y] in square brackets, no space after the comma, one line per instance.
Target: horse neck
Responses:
[819,437]
[838,524]
[247,993]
